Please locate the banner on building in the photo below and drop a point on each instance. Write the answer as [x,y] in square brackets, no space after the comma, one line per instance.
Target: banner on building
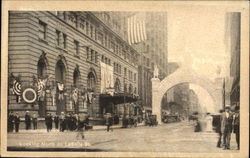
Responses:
[137,28]
[107,77]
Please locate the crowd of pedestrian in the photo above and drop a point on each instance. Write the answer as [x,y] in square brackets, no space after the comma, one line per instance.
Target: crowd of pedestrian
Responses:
[229,123]
[69,121]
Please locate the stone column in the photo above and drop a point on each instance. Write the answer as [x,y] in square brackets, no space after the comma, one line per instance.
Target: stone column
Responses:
[156,100]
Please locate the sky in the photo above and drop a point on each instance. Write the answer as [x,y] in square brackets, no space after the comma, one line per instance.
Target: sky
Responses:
[196,39]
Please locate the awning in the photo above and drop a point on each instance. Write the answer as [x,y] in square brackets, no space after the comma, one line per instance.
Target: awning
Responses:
[118,98]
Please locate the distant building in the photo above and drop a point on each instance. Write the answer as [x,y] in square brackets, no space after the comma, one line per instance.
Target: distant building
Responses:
[233,46]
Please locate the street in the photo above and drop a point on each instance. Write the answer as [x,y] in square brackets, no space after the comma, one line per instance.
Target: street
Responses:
[173,137]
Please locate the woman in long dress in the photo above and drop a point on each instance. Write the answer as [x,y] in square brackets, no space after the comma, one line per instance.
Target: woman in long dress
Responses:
[209,121]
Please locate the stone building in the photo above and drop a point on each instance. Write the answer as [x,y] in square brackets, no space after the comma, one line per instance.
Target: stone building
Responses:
[233,20]
[55,58]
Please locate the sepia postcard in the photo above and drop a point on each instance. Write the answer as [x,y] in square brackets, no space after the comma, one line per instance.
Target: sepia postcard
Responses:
[125,78]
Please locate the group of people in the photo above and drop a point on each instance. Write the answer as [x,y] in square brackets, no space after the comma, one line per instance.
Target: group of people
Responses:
[229,123]
[69,121]
[13,122]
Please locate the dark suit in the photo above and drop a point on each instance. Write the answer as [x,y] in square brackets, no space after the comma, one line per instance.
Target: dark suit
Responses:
[226,129]
[17,122]
[236,127]
[27,121]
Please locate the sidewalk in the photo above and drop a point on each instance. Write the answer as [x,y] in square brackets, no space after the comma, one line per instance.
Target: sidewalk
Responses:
[95,128]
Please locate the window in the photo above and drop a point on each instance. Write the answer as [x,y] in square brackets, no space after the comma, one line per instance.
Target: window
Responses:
[87,50]
[102,58]
[57,37]
[82,24]
[100,38]
[92,55]
[42,30]
[91,82]
[96,57]
[125,72]
[87,28]
[134,76]
[64,41]
[91,32]
[106,60]
[76,48]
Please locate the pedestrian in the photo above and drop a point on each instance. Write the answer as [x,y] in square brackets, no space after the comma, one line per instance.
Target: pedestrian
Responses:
[81,125]
[226,127]
[11,122]
[217,124]
[50,122]
[236,125]
[62,122]
[17,122]
[34,121]
[47,122]
[56,121]
[27,120]
[109,122]
[209,121]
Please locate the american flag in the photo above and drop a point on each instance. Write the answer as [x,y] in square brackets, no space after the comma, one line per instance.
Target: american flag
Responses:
[136,29]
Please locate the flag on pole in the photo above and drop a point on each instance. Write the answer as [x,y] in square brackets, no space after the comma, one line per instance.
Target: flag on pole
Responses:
[136,29]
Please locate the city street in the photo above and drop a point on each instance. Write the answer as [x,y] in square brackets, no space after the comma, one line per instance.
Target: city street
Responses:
[173,137]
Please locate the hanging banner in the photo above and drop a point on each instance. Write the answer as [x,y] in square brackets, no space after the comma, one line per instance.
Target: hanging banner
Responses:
[107,77]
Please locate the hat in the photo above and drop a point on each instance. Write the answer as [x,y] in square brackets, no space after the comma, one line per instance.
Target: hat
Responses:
[227,107]
[237,108]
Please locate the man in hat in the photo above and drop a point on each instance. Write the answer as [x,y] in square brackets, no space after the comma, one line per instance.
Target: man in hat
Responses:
[27,120]
[11,122]
[62,122]
[17,122]
[34,121]
[226,127]
[236,125]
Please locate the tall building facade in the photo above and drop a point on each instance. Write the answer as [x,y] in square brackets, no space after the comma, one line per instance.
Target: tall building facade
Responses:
[55,63]
[233,23]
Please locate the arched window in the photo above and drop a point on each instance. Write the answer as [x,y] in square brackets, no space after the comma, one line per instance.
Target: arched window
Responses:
[117,85]
[41,68]
[91,82]
[76,77]
[60,71]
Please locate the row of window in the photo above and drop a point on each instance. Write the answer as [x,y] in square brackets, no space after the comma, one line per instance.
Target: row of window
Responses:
[100,36]
[61,41]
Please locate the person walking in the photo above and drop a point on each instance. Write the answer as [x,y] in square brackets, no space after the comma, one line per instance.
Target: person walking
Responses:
[47,122]
[217,124]
[27,120]
[34,121]
[109,122]
[226,127]
[62,122]
[11,122]
[236,125]
[17,122]
[81,125]
[56,121]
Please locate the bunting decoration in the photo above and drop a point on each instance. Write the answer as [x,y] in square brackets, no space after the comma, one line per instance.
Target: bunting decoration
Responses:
[136,29]
[29,95]
[60,87]
[16,86]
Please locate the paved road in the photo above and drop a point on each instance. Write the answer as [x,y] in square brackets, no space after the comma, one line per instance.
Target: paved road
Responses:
[175,137]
